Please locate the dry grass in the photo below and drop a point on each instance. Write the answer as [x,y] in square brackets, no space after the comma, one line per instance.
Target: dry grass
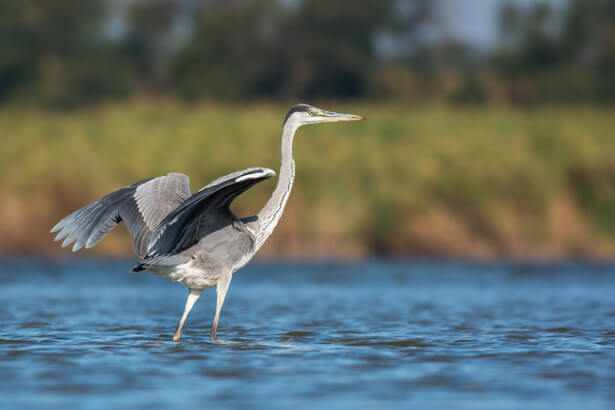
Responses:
[467,183]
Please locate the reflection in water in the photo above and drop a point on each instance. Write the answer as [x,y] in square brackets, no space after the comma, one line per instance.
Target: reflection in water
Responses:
[386,334]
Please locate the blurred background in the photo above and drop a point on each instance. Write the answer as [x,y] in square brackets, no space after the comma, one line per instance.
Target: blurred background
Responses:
[453,251]
[490,132]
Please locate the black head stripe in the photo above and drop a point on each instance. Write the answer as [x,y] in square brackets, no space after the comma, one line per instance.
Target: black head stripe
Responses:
[297,108]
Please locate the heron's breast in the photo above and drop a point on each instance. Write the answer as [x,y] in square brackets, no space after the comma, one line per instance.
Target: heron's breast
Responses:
[225,250]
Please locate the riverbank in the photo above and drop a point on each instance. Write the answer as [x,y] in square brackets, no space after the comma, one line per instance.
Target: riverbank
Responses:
[477,183]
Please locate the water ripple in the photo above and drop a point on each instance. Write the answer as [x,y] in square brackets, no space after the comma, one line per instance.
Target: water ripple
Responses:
[375,335]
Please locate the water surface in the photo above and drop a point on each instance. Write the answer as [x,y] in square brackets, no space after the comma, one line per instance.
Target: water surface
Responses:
[91,334]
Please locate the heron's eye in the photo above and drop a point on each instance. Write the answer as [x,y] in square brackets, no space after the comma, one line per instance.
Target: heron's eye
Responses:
[311,112]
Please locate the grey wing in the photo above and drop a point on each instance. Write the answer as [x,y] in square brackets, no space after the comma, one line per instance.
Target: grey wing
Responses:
[140,206]
[183,227]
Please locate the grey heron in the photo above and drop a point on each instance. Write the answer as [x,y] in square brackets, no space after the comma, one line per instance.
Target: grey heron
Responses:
[194,239]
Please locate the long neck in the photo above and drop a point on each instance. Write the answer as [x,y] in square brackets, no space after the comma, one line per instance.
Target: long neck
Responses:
[271,213]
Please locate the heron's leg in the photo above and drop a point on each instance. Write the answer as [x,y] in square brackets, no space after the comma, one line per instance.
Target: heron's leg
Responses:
[193,296]
[221,290]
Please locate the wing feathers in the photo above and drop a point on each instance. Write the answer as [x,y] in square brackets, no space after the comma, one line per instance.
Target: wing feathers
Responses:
[160,214]
[158,196]
[179,230]
[169,192]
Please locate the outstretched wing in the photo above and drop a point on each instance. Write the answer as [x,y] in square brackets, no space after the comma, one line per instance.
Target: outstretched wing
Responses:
[179,230]
[141,206]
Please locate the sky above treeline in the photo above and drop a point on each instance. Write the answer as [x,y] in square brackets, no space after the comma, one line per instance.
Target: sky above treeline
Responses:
[475,21]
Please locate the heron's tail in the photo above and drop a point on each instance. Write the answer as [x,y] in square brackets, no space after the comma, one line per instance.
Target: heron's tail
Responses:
[138,268]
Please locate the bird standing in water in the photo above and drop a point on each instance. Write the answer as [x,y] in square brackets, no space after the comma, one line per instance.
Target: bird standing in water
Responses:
[195,239]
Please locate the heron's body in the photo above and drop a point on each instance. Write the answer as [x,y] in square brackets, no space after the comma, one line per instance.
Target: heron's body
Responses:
[195,240]
[227,245]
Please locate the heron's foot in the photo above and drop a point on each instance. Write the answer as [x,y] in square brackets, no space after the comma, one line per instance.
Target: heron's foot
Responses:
[212,336]
[177,336]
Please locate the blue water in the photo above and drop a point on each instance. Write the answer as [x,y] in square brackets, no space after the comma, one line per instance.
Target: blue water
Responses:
[92,335]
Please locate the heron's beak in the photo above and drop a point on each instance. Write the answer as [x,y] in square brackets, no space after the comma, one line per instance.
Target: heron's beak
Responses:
[330,116]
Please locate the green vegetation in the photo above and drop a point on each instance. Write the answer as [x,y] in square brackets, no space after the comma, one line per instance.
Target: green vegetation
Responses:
[69,53]
[469,182]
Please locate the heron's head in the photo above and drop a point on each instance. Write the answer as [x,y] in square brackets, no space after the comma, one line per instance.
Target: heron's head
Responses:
[303,114]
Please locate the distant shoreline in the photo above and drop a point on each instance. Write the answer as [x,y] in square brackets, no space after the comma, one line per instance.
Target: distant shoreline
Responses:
[472,183]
